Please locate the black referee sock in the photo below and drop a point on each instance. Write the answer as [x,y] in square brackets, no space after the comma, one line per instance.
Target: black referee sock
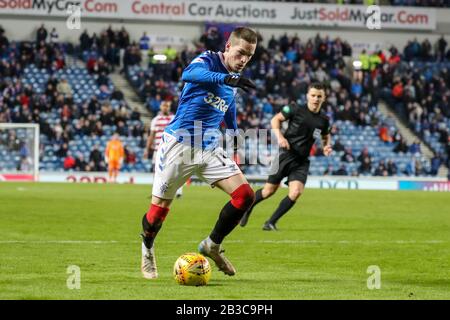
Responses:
[284,207]
[258,199]
[228,219]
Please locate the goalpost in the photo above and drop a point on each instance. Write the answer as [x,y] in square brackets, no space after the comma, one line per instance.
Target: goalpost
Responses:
[19,151]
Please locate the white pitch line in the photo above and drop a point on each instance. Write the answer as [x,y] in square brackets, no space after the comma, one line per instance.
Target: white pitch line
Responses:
[353,241]
[58,242]
[350,242]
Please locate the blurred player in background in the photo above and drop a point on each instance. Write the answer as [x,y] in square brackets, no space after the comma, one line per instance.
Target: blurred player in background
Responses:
[208,98]
[114,155]
[306,123]
[157,126]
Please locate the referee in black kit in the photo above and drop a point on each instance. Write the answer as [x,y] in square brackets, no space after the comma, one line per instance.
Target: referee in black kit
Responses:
[306,123]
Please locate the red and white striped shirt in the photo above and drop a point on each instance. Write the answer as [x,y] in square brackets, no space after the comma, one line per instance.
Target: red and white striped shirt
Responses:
[158,124]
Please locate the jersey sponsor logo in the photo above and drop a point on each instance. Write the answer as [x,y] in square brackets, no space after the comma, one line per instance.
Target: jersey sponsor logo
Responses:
[317,133]
[216,102]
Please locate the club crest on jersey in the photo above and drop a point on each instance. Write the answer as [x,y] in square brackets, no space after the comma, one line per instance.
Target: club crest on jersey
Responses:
[163,188]
[198,60]
[317,133]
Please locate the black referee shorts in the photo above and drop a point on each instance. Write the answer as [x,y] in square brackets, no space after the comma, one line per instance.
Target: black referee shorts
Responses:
[296,169]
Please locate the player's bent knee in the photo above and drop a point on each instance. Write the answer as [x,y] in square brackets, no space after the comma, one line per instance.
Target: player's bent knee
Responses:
[269,191]
[295,194]
[243,197]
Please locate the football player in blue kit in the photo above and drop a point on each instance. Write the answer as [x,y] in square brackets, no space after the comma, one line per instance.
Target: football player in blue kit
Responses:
[207,99]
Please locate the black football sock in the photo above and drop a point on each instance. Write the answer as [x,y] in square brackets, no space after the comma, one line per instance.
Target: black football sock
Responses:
[258,196]
[150,232]
[284,207]
[228,219]
[258,199]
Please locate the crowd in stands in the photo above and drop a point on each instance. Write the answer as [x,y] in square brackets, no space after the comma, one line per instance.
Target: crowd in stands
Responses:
[44,54]
[417,86]
[314,59]
[282,71]
[21,103]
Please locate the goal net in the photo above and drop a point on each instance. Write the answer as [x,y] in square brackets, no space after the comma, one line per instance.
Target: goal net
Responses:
[19,152]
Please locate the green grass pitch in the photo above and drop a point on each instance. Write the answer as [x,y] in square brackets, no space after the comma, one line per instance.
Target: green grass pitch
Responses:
[322,251]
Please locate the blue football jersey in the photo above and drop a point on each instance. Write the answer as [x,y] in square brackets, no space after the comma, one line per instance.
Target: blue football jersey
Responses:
[204,102]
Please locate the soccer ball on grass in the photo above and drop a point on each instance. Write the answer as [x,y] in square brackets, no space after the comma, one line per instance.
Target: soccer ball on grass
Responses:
[192,269]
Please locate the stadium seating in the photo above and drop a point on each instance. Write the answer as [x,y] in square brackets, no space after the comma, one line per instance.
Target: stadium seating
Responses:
[432,127]
[254,111]
[353,136]
[84,87]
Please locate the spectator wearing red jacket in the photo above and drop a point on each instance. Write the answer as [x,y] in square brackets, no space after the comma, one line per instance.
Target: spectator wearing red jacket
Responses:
[69,161]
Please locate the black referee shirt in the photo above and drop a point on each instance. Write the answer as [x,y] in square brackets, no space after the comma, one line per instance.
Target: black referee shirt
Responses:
[304,127]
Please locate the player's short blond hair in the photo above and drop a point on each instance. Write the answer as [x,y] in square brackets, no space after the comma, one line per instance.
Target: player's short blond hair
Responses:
[244,33]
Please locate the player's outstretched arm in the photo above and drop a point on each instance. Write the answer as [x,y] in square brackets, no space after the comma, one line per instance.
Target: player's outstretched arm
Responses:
[149,146]
[276,127]
[199,72]
[326,142]
[107,153]
[121,154]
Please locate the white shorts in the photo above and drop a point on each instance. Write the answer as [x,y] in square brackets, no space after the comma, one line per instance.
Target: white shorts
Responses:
[176,163]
